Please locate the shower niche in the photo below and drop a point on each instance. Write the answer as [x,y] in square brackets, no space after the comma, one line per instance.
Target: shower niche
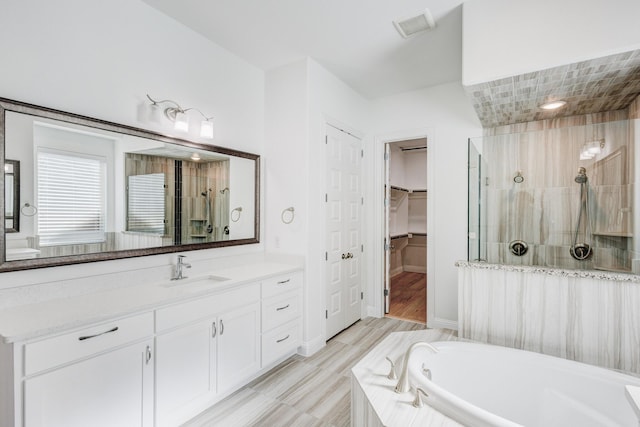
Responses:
[565,188]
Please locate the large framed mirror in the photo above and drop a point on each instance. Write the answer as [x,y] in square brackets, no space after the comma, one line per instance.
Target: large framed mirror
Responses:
[92,190]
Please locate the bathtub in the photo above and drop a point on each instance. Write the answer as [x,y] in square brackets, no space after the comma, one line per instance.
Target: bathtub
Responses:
[486,385]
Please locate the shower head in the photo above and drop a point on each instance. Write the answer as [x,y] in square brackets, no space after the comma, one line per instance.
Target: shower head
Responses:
[581,178]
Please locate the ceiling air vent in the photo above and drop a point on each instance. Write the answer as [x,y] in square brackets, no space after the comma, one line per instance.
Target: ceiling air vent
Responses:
[416,24]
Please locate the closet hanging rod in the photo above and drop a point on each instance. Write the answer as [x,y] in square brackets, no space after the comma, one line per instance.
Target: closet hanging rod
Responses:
[414,148]
[399,236]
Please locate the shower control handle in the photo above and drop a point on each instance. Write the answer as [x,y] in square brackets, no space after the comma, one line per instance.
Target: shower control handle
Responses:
[518,247]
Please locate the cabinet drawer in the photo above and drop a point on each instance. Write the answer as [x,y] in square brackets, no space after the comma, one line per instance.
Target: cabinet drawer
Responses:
[191,311]
[61,349]
[280,309]
[280,342]
[281,284]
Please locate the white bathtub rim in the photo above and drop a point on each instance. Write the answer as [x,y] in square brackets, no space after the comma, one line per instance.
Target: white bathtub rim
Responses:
[468,414]
[450,405]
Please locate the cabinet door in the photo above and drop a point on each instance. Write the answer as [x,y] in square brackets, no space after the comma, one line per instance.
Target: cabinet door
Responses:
[112,389]
[238,345]
[185,371]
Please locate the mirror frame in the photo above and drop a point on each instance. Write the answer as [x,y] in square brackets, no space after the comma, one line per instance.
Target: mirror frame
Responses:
[76,119]
[16,197]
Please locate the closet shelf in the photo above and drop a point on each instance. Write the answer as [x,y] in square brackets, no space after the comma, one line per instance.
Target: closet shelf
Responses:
[408,190]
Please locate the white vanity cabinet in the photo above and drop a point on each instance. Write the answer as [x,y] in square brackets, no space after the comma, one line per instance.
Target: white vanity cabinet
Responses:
[281,316]
[99,376]
[159,366]
[205,347]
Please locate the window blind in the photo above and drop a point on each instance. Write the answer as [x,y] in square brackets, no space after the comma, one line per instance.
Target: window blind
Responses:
[71,198]
[146,203]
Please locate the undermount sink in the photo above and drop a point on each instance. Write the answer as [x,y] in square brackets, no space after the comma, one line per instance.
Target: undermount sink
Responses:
[197,282]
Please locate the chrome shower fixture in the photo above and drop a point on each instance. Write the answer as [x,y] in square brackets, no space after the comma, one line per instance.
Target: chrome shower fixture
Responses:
[518,178]
[581,178]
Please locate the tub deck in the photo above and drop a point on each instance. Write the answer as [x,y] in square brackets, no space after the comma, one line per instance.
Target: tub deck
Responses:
[374,403]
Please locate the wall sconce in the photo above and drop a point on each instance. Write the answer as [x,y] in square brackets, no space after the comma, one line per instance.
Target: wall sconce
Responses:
[178,116]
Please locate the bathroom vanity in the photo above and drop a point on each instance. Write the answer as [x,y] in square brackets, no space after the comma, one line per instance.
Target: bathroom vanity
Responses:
[150,354]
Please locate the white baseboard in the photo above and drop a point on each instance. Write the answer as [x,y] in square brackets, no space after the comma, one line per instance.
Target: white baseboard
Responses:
[395,271]
[416,268]
[442,324]
[373,311]
[308,348]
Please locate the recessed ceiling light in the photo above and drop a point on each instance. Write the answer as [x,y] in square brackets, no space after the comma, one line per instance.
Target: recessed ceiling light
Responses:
[415,24]
[195,157]
[553,105]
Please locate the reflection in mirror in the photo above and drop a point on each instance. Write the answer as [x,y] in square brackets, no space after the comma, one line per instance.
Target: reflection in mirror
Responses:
[11,196]
[105,191]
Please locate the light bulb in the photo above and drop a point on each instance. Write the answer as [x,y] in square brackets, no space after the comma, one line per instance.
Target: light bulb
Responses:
[182,122]
[554,105]
[206,129]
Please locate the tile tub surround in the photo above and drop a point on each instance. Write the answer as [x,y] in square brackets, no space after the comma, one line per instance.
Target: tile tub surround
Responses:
[587,316]
[374,403]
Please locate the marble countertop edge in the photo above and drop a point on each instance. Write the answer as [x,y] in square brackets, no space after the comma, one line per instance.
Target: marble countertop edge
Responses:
[551,271]
[55,316]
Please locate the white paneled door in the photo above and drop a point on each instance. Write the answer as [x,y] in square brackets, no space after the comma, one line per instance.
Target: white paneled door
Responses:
[343,225]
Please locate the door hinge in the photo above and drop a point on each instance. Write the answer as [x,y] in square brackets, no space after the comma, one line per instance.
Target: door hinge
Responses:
[361,295]
[326,256]
[386,202]
[386,156]
[361,248]
[386,246]
[386,292]
[326,139]
[326,314]
[362,201]
[326,197]
[361,153]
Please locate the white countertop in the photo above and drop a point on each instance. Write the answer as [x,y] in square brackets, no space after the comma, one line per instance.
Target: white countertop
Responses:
[52,316]
[396,409]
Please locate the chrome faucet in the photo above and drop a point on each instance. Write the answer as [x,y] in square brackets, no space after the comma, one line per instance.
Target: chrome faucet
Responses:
[179,266]
[403,383]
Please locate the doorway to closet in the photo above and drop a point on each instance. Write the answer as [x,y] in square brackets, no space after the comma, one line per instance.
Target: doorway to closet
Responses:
[406,230]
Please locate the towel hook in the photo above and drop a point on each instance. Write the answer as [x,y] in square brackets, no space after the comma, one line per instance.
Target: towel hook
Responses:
[28,210]
[236,218]
[288,219]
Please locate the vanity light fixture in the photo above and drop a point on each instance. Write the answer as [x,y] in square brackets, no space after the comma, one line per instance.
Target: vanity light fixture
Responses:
[553,105]
[178,116]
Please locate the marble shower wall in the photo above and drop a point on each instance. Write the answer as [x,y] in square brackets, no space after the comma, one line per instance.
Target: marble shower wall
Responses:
[543,209]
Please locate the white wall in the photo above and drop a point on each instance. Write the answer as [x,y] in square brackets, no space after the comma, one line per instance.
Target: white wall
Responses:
[504,38]
[285,154]
[446,117]
[99,59]
[301,98]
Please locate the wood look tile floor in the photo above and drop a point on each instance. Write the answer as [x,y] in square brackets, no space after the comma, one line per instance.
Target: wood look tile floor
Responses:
[409,297]
[305,391]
